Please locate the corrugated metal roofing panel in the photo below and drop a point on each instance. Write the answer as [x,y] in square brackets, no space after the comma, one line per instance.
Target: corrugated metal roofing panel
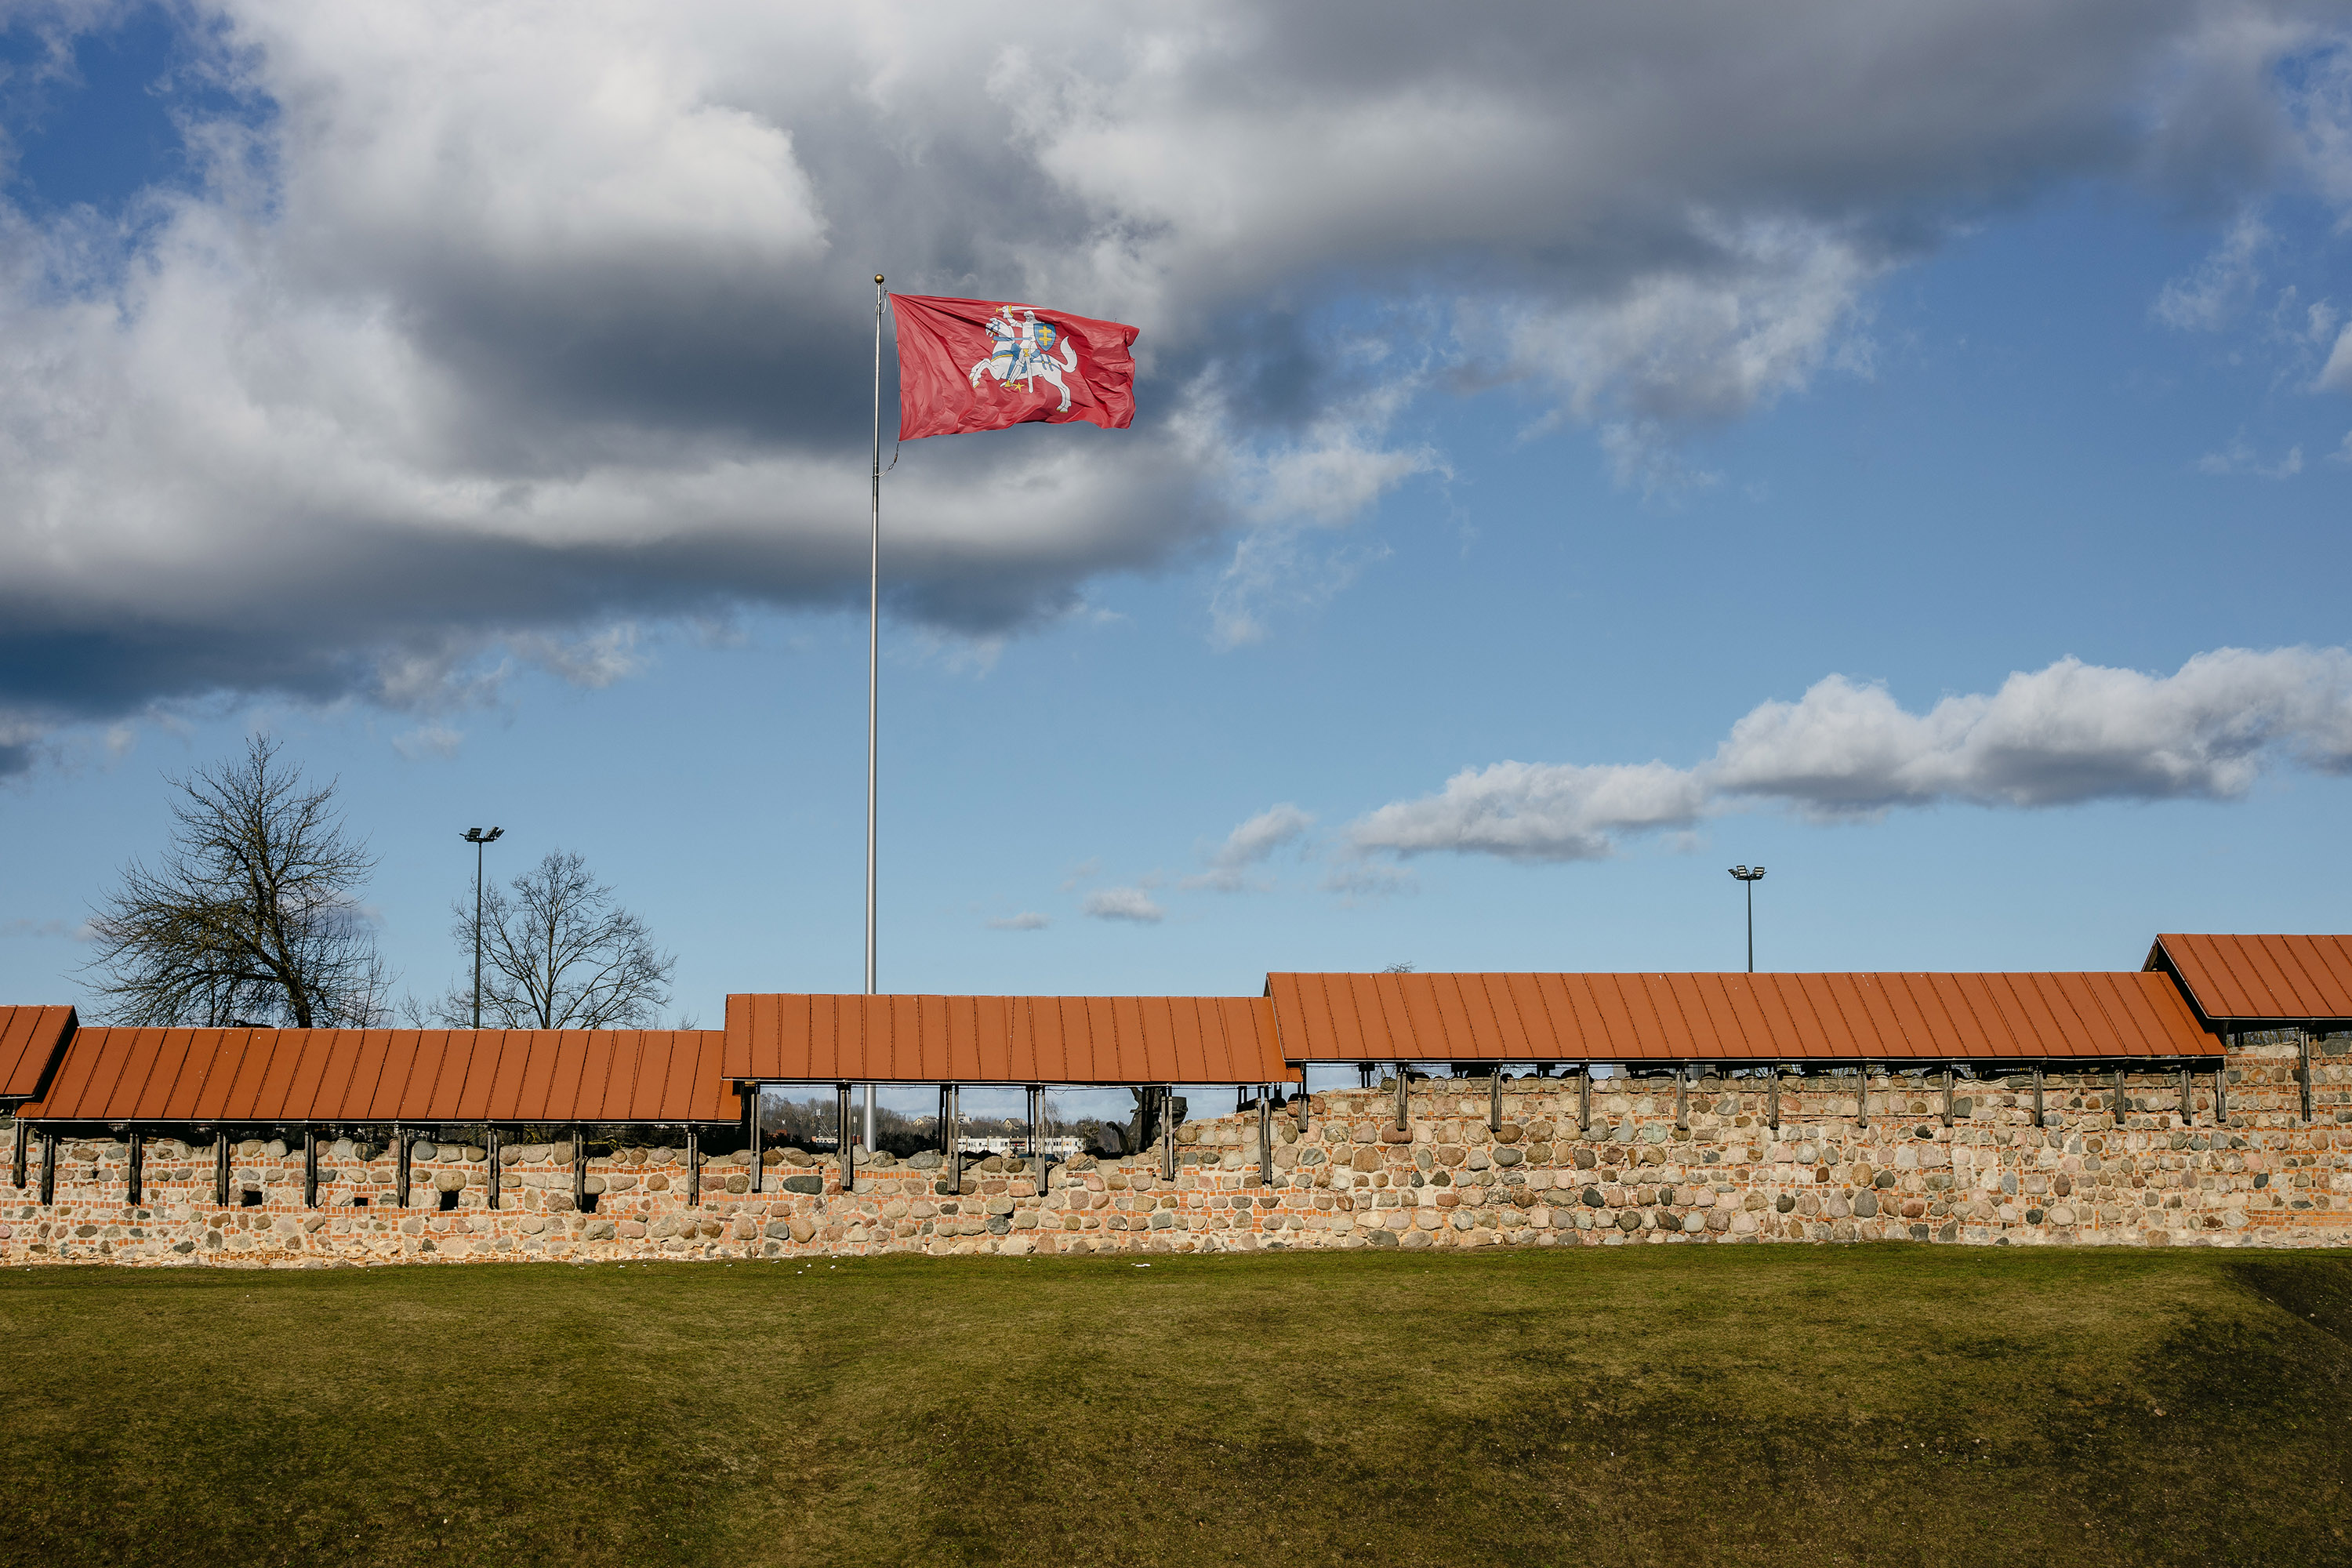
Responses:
[2262,979]
[388,1075]
[30,1038]
[1735,1017]
[789,1039]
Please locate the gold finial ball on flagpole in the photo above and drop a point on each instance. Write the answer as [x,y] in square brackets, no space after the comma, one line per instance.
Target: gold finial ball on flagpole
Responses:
[878,278]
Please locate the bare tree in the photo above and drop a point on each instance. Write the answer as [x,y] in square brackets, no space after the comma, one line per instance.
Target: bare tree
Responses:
[558,953]
[253,913]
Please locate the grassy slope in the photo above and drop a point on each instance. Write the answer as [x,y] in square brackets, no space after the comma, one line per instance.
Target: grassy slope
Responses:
[1880,1404]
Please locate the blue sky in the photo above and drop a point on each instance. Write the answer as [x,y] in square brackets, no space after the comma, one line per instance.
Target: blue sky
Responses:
[1975,425]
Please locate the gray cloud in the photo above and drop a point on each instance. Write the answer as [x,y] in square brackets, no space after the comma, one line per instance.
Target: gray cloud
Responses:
[53,929]
[2064,735]
[486,331]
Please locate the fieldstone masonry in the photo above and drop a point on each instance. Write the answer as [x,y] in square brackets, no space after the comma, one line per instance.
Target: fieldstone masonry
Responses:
[1656,1164]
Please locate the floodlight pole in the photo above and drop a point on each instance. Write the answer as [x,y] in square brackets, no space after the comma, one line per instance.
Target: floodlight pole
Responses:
[480,841]
[1749,880]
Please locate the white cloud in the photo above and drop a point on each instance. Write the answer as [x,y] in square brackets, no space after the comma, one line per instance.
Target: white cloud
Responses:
[1764,305]
[592,661]
[1358,880]
[1248,845]
[1123,904]
[2238,458]
[1292,485]
[1644,456]
[1275,569]
[1028,919]
[2318,106]
[2067,734]
[1536,811]
[2057,736]
[2222,283]
[1261,835]
[497,330]
[433,739]
[2336,375]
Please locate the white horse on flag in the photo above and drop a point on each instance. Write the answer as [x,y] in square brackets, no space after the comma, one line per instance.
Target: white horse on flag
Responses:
[1025,351]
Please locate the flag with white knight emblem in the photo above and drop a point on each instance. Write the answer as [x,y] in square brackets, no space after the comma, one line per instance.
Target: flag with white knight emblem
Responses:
[981,364]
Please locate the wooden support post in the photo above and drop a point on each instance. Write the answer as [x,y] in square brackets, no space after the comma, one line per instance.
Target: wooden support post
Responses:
[693,1168]
[2116,1106]
[1682,1098]
[492,1155]
[845,1143]
[1401,1091]
[2220,1095]
[404,1150]
[2188,1099]
[1584,1100]
[1494,1101]
[1862,1097]
[1947,1094]
[1772,1101]
[2302,1068]
[49,1168]
[1168,1130]
[2037,1099]
[16,1155]
[1265,1140]
[580,1170]
[751,1138]
[1300,1103]
[220,1167]
[135,1188]
[310,1168]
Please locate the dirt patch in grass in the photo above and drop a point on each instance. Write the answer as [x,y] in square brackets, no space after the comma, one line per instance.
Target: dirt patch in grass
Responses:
[1882,1404]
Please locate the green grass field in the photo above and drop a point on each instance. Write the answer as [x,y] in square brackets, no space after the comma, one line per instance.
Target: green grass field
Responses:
[1783,1404]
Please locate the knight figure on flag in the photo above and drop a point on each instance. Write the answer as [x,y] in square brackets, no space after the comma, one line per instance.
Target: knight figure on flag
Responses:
[1024,349]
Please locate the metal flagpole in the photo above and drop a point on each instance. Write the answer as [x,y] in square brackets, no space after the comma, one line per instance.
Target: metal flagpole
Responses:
[873,669]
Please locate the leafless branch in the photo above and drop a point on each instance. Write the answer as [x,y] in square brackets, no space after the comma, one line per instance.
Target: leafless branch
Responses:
[558,953]
[252,912]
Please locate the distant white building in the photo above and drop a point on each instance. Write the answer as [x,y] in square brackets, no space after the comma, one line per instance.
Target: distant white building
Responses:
[1055,1148]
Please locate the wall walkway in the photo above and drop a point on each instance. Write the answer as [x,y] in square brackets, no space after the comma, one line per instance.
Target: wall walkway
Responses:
[1650,1168]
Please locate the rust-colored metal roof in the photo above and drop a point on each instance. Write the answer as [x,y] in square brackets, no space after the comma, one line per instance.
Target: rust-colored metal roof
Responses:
[803,1038]
[30,1039]
[1731,1018]
[389,1075]
[2262,979]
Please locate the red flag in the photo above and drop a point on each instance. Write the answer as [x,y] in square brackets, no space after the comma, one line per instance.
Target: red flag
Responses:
[977,365]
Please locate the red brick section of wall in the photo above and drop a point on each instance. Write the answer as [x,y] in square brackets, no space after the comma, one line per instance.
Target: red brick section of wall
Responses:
[1351,1180]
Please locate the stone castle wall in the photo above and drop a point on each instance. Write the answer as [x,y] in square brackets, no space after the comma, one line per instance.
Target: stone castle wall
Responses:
[1653,1166]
